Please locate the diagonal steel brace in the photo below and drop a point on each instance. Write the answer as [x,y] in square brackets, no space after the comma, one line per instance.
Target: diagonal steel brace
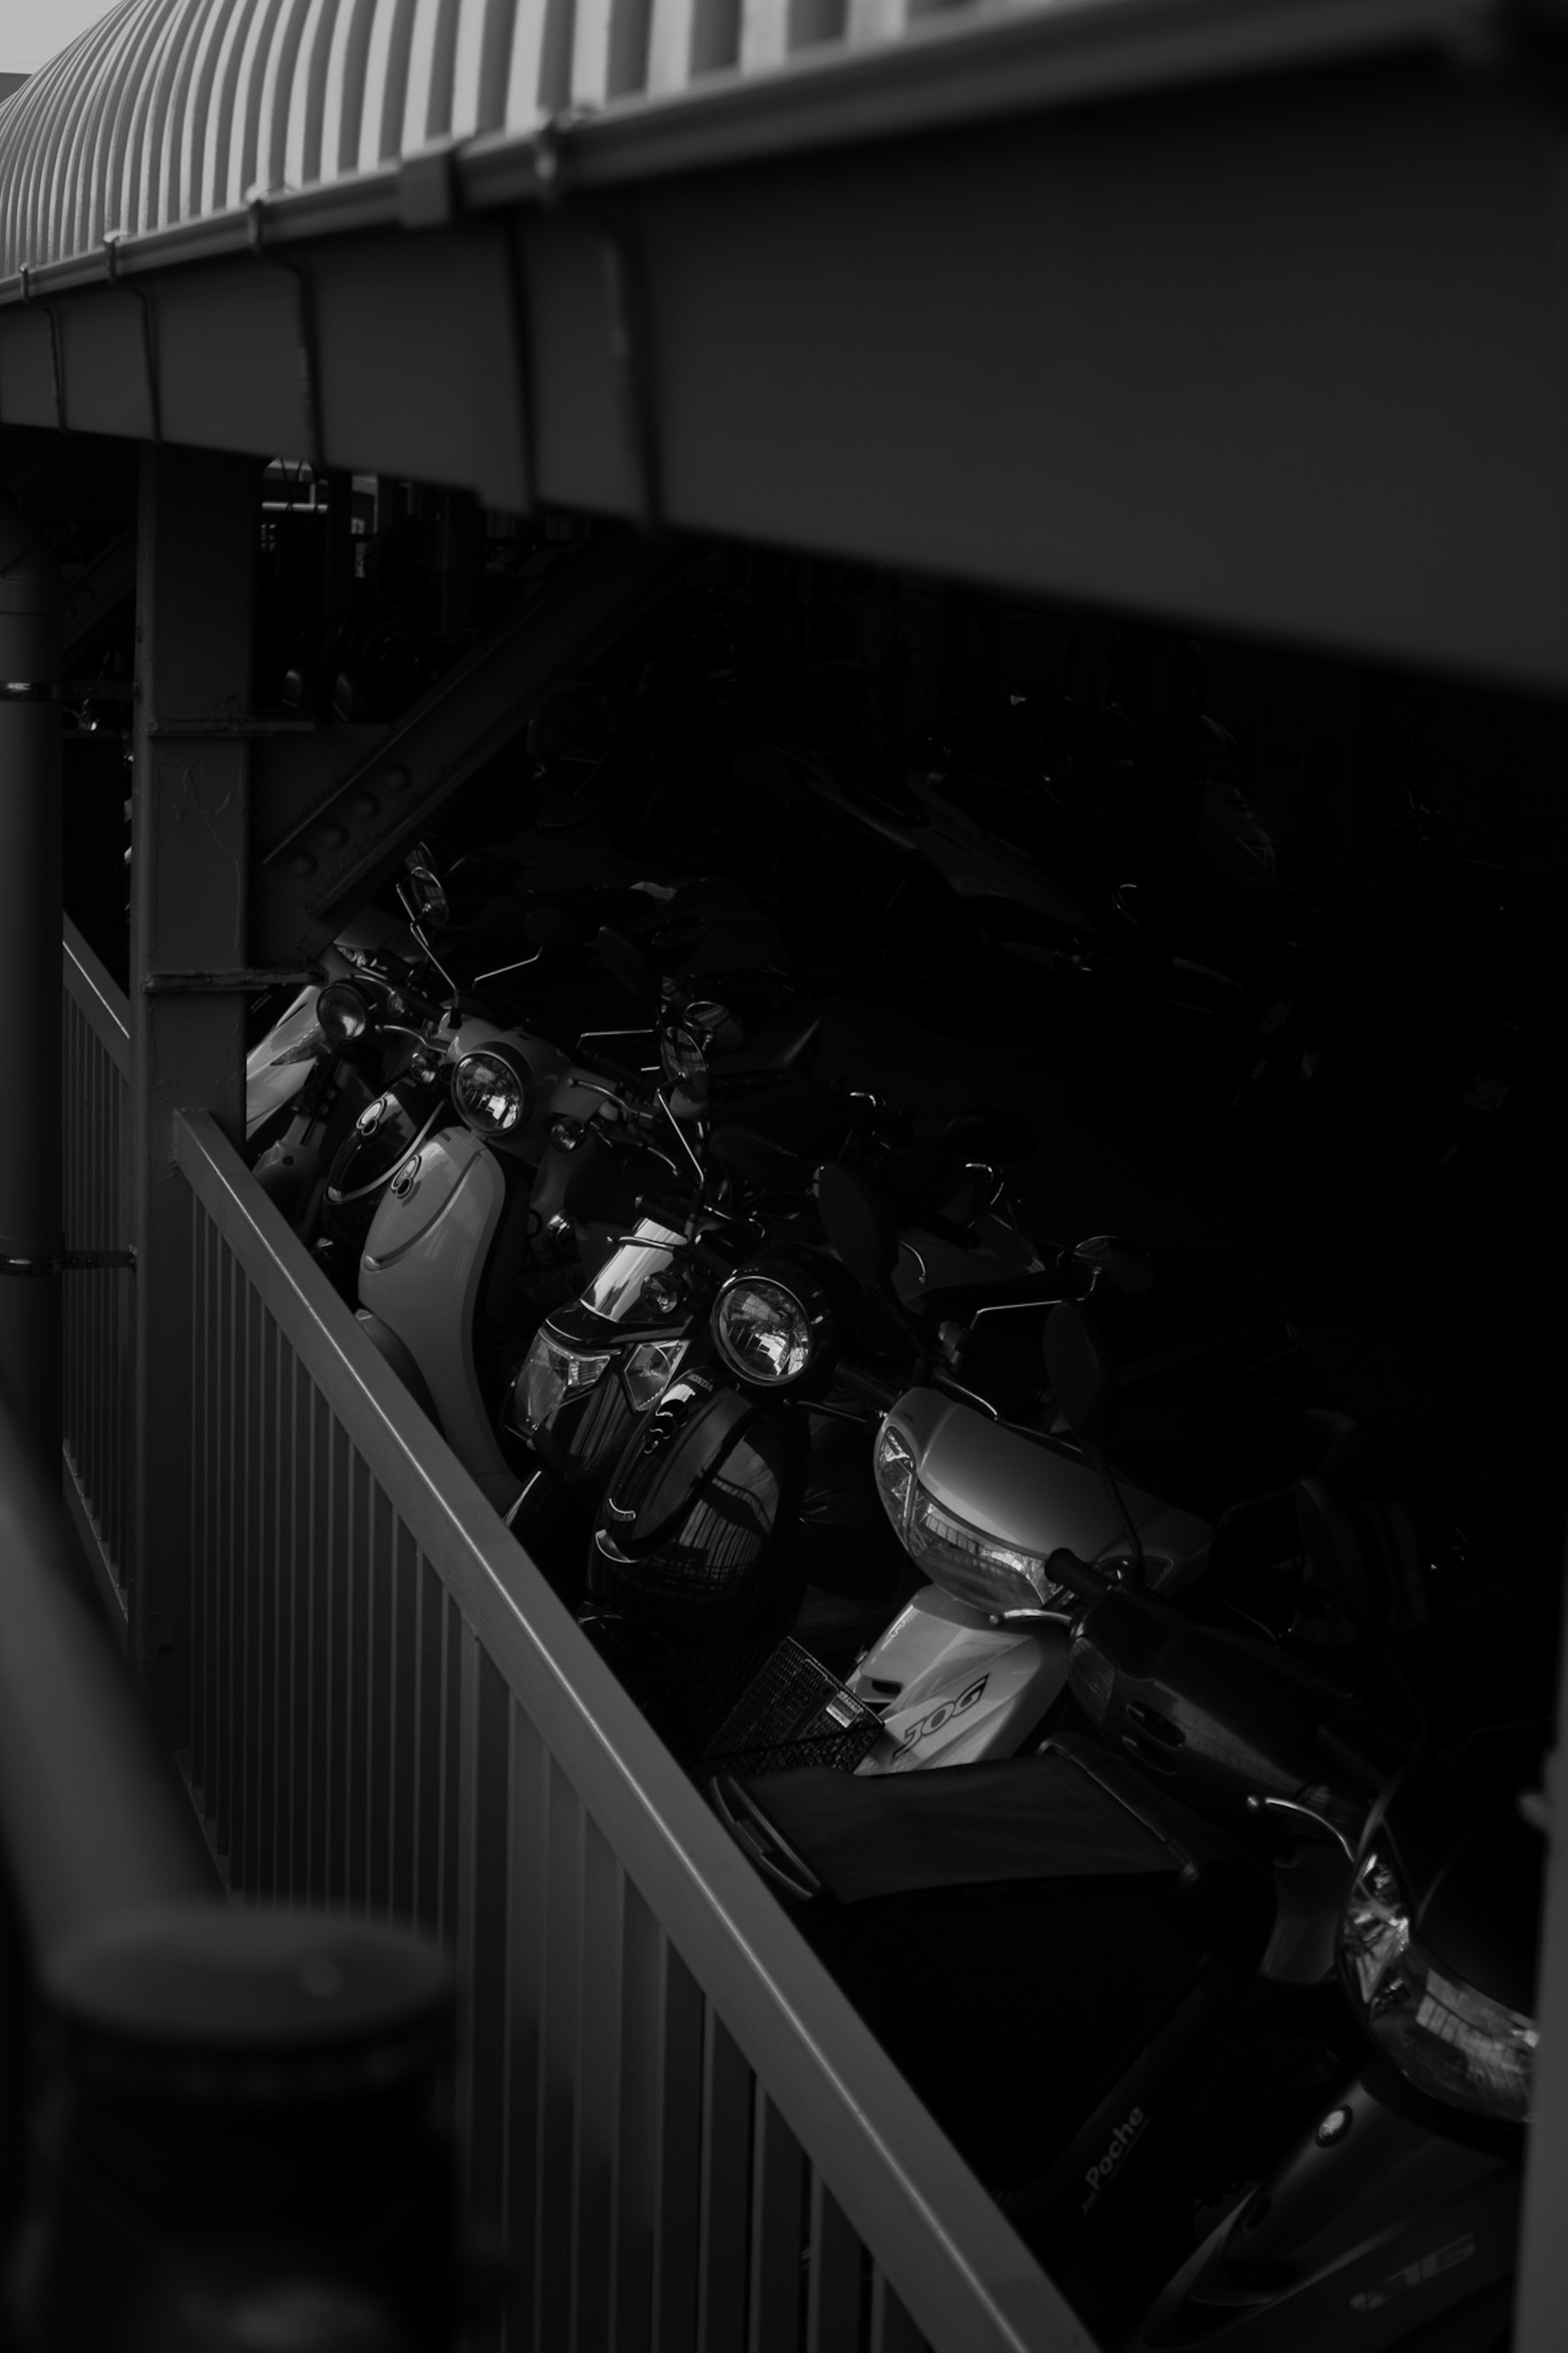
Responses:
[329,861]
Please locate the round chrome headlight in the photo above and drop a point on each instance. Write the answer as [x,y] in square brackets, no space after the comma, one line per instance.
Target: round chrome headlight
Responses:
[771,1324]
[1447,2038]
[492,1089]
[343,1013]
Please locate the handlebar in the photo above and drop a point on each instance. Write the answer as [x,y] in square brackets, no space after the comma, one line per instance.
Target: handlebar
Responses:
[1064,1568]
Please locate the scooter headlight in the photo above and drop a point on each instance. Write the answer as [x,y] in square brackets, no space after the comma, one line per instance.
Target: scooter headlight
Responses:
[770,1324]
[493,1091]
[553,1373]
[648,1368]
[1460,2045]
[343,1014]
[973,1566]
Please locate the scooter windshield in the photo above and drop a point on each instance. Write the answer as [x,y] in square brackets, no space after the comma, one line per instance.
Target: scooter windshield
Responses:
[633,1286]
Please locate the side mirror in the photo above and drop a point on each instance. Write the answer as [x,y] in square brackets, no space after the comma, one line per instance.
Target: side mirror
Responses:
[426,888]
[627,964]
[858,1225]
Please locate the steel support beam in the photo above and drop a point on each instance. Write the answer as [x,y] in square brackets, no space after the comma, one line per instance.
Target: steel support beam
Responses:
[313,870]
[30,1237]
[197,543]
[1285,355]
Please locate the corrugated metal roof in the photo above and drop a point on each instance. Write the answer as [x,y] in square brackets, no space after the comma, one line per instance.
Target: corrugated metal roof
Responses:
[168,108]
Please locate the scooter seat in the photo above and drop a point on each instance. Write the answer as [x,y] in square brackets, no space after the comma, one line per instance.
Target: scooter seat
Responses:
[1205,1453]
[767,1137]
[775,1045]
[1201,1452]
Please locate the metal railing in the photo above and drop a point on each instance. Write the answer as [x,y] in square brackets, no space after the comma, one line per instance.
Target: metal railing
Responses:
[681,2130]
[179,2074]
[98,1305]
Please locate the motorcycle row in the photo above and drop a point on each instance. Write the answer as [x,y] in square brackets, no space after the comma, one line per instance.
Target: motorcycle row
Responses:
[1109,1712]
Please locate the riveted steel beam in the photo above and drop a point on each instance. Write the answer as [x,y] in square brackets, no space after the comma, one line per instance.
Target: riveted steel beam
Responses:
[318,867]
[196,554]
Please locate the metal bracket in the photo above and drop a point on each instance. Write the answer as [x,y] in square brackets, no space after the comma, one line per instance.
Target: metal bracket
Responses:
[67,1262]
[256,210]
[113,239]
[30,302]
[240,981]
[246,728]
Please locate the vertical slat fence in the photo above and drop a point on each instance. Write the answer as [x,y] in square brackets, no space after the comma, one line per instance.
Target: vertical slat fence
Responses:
[677,2125]
[98,1305]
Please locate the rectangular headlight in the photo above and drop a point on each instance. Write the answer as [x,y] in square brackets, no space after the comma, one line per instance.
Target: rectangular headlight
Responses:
[552,1374]
[973,1566]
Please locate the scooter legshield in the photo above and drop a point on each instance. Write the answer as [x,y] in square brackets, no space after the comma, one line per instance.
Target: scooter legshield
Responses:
[423,1272]
[686,1543]
[953,1688]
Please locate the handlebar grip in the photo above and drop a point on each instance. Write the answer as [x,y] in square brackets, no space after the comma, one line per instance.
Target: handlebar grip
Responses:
[1064,1568]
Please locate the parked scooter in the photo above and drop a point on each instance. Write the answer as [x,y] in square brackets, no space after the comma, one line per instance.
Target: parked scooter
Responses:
[492,1219]
[980,1496]
[1129,2101]
[598,1364]
[1395,2211]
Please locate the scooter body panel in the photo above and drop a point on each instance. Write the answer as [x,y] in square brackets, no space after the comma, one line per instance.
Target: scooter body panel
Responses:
[422,1274]
[965,1690]
[1380,2223]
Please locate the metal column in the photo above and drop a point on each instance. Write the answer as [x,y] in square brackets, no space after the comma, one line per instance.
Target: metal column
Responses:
[30,978]
[196,584]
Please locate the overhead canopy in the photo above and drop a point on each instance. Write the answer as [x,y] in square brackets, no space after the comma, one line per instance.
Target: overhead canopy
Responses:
[1248,312]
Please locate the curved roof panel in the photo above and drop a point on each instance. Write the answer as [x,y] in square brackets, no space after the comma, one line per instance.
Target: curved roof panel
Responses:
[168,108]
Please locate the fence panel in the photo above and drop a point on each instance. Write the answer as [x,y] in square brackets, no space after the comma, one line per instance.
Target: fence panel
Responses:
[98,1305]
[679,2126]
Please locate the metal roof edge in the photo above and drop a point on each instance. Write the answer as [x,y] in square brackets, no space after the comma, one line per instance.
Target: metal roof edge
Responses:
[945,72]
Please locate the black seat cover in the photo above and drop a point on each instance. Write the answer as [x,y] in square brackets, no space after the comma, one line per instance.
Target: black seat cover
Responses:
[1112,1920]
[1202,1454]
[798,1120]
[1199,1452]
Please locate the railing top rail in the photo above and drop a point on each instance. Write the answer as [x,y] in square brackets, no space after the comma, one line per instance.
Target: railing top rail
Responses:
[90,1828]
[90,987]
[947,2250]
